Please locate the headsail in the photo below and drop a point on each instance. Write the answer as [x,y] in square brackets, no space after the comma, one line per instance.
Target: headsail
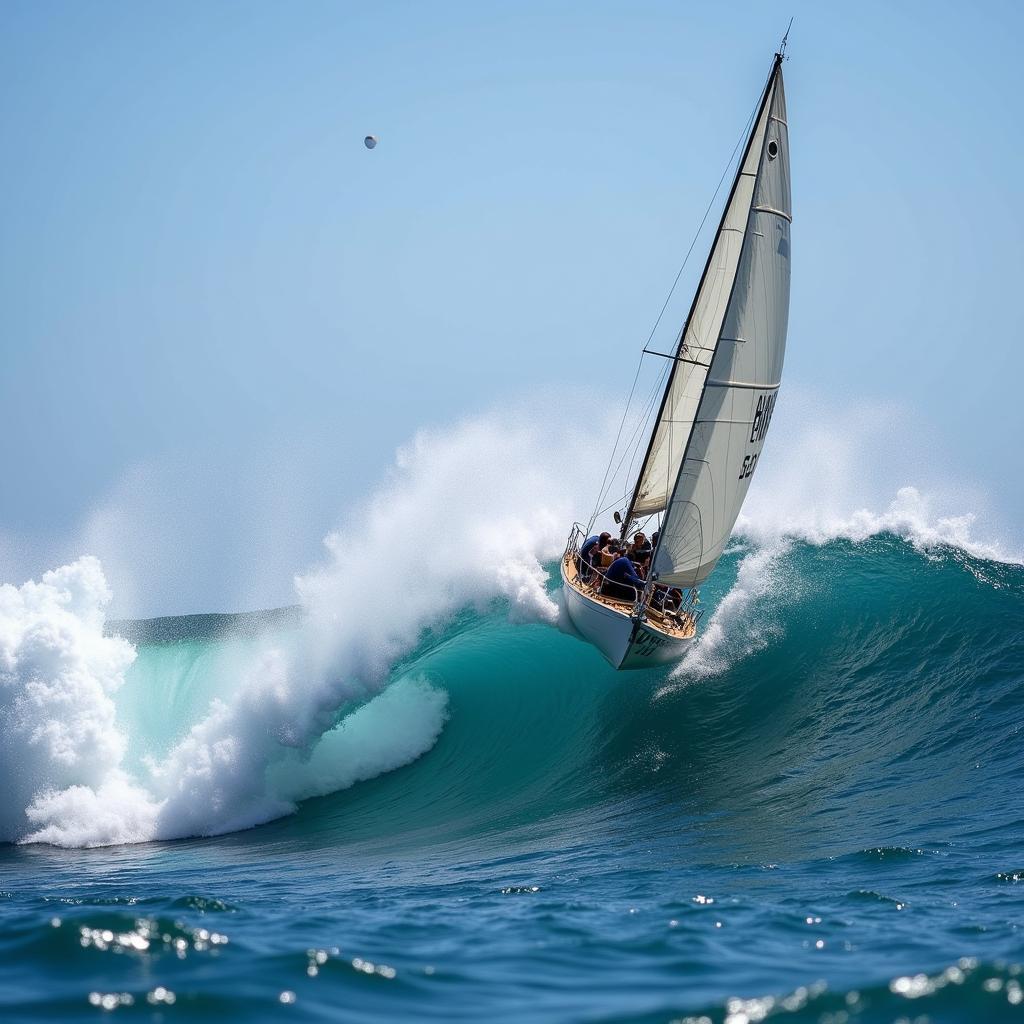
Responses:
[721,392]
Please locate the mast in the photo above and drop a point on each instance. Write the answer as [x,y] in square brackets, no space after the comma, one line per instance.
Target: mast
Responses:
[678,358]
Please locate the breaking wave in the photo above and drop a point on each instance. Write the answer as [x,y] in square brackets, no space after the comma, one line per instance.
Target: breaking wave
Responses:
[108,741]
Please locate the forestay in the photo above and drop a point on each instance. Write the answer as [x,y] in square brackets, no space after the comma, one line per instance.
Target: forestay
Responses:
[721,393]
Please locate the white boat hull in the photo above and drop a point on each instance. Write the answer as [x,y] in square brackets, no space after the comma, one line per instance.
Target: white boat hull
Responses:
[611,631]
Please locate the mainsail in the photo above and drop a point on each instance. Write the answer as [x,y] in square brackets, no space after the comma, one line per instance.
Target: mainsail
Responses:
[721,392]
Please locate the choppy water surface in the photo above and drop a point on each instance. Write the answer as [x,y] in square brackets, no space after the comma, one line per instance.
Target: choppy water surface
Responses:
[820,818]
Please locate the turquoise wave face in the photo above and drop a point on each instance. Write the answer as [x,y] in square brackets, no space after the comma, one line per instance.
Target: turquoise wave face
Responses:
[855,667]
[818,813]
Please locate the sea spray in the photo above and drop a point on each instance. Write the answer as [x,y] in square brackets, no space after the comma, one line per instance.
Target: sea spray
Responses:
[749,615]
[854,472]
[825,464]
[58,678]
[466,517]
[910,515]
[731,632]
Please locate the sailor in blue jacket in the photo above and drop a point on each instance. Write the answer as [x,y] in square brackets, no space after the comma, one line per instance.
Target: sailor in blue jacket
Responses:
[621,578]
[590,548]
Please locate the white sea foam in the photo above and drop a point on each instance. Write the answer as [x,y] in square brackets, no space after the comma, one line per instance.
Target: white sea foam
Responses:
[466,516]
[58,677]
[833,473]
[732,632]
[911,515]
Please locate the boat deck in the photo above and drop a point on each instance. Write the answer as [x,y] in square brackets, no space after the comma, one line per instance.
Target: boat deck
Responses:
[654,619]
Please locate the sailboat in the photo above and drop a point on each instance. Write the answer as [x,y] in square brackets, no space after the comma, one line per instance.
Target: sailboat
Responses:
[719,394]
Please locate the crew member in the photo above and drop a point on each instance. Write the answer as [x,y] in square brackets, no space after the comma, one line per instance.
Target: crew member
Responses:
[622,581]
[640,548]
[590,547]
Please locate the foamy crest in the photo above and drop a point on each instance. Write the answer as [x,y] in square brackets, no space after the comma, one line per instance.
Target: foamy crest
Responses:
[248,760]
[834,473]
[742,623]
[467,516]
[732,633]
[810,488]
[58,677]
[114,811]
[910,515]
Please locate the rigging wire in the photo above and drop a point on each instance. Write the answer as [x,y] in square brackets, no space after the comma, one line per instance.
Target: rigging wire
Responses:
[643,416]
[652,403]
[631,444]
[703,221]
[622,423]
[618,501]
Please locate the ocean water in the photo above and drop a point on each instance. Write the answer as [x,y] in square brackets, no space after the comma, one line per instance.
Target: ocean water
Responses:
[819,820]
[419,796]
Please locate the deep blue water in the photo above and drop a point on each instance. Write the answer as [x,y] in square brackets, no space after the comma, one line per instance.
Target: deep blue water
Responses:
[829,827]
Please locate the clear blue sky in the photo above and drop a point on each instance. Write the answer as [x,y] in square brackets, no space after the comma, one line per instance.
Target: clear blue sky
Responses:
[210,289]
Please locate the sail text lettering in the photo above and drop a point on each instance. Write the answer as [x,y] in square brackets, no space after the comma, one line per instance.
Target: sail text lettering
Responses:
[763,416]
